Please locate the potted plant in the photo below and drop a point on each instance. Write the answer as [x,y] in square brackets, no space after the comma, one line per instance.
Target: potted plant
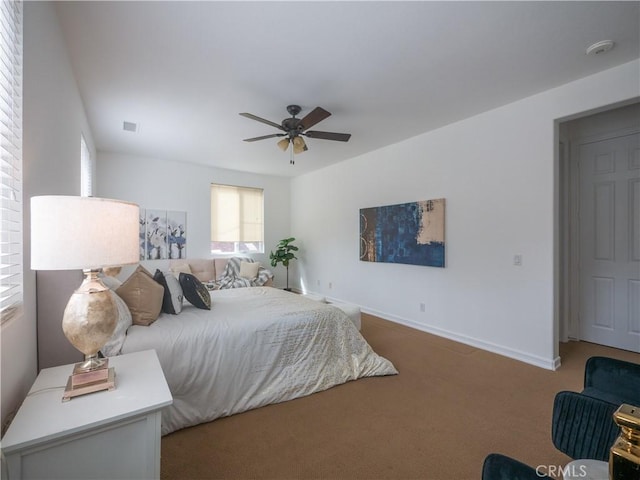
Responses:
[284,254]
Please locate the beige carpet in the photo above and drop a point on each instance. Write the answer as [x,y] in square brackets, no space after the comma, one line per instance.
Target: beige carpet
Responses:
[448,408]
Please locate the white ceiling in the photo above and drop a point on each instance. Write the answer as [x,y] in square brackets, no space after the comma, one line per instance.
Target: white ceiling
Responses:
[387,71]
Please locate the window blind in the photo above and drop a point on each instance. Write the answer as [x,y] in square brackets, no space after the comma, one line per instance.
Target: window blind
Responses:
[236,214]
[10,158]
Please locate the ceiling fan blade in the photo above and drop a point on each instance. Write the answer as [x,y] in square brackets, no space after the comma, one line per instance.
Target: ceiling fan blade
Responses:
[314,116]
[258,119]
[255,139]
[338,137]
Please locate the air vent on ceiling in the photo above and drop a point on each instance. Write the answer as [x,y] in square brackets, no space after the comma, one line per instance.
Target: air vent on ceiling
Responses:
[129,126]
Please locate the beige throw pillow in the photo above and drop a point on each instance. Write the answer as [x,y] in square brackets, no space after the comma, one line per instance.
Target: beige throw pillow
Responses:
[178,268]
[249,270]
[143,295]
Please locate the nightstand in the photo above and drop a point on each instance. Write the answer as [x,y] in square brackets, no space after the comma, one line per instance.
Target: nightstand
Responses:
[109,434]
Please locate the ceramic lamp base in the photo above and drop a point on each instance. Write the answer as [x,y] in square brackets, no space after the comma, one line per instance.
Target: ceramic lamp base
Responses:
[88,322]
[90,316]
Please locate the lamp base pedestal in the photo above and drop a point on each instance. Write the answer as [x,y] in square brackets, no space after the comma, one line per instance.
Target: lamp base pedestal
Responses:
[83,381]
[624,456]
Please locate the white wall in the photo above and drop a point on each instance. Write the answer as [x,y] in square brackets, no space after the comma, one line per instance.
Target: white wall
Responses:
[169,185]
[53,119]
[497,172]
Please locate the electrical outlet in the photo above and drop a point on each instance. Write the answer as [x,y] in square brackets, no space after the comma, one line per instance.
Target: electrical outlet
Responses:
[422,307]
[330,285]
[517,260]
[318,283]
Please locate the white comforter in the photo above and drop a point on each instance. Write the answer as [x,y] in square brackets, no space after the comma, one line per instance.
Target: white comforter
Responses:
[256,346]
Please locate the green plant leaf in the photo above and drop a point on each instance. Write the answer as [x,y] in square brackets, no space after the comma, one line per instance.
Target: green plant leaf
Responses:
[283,252]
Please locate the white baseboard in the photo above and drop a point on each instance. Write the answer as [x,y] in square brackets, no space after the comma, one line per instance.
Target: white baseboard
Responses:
[548,364]
[535,360]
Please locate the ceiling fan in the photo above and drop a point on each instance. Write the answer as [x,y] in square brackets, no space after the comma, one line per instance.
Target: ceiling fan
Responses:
[295,128]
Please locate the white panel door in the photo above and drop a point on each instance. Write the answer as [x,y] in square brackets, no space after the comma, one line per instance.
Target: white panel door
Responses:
[609,204]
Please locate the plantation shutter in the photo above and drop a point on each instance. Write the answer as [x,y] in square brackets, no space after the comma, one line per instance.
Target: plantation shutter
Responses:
[236,214]
[10,158]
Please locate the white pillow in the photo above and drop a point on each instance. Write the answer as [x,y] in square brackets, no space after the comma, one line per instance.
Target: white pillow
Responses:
[249,270]
[112,283]
[114,344]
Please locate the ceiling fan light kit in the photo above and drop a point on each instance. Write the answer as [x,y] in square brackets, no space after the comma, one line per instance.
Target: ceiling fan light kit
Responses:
[294,128]
[283,144]
[298,145]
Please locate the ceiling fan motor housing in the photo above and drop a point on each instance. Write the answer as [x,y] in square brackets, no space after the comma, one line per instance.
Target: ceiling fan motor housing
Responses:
[292,125]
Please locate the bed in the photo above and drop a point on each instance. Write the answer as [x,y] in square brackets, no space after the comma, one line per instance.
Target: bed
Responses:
[256,346]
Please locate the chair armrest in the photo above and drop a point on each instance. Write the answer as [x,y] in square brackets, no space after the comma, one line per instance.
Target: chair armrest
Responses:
[583,427]
[615,378]
[501,467]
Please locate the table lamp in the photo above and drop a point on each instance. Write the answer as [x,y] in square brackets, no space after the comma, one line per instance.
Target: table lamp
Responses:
[87,233]
[624,456]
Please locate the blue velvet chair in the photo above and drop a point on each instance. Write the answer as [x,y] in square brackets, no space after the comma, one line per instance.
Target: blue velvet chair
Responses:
[582,424]
[501,467]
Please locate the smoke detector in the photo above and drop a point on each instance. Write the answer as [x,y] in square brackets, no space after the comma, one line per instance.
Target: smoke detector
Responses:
[600,47]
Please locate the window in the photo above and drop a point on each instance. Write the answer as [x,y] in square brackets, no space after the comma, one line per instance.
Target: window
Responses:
[237,219]
[10,159]
[86,169]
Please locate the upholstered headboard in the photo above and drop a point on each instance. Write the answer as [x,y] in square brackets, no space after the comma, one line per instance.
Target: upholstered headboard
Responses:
[203,269]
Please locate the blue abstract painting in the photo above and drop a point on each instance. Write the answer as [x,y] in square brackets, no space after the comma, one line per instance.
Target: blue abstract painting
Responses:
[410,233]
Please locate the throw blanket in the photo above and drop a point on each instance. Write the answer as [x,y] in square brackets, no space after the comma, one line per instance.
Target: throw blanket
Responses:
[256,346]
[231,277]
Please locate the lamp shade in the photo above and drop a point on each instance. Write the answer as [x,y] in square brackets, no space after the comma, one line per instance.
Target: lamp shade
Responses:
[69,233]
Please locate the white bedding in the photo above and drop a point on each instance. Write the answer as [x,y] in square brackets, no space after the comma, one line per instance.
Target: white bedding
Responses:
[256,346]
